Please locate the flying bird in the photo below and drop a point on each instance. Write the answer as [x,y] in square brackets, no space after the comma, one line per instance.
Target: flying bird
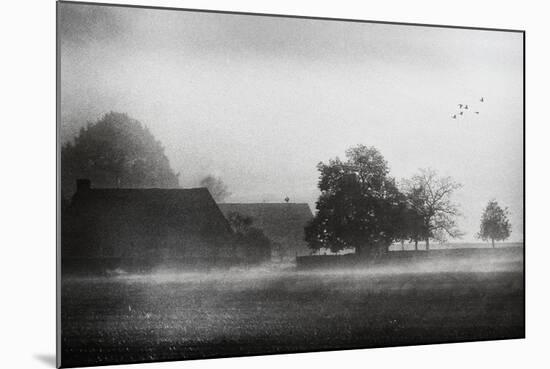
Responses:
[465,106]
[481,99]
[477,112]
[453,116]
[461,113]
[287,199]
[460,106]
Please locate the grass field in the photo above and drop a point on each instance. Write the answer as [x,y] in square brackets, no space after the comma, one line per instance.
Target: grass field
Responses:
[169,316]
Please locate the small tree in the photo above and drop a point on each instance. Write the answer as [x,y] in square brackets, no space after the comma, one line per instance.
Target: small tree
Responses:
[255,245]
[494,223]
[216,187]
[238,222]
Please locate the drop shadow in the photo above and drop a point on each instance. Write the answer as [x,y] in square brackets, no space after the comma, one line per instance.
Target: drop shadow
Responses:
[48,359]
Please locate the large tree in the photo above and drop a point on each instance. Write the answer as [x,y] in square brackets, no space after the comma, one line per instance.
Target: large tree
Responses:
[430,196]
[116,151]
[495,225]
[216,187]
[358,206]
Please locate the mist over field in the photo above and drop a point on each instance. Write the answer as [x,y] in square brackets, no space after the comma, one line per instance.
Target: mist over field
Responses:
[168,314]
[508,257]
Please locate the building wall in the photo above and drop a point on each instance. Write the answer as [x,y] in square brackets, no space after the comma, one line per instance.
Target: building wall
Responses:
[104,225]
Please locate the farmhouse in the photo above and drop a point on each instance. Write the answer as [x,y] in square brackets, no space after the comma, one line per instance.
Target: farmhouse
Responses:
[282,223]
[144,226]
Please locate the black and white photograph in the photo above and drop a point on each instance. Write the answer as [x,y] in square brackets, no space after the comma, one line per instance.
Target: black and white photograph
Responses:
[238,184]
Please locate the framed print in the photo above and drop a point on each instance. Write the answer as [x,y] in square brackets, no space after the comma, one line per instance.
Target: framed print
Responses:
[234,184]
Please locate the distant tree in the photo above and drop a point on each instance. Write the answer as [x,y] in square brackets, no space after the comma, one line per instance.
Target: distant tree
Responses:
[116,151]
[430,196]
[216,187]
[257,245]
[254,243]
[358,206]
[238,222]
[495,225]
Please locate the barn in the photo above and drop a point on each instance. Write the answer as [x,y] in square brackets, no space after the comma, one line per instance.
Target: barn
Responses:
[144,227]
[282,223]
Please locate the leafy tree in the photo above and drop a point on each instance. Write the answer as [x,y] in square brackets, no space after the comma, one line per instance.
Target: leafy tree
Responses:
[238,222]
[216,187]
[430,196]
[358,206]
[494,223]
[254,243]
[257,245]
[116,151]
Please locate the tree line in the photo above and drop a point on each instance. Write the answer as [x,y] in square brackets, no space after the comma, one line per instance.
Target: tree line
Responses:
[362,207]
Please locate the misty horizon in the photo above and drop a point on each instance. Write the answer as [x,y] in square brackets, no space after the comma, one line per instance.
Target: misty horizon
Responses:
[260,101]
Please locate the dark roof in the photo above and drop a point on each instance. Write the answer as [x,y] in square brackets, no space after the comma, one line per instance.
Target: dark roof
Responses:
[281,222]
[192,210]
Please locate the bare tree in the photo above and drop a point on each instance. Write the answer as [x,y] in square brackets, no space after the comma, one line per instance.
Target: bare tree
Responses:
[430,196]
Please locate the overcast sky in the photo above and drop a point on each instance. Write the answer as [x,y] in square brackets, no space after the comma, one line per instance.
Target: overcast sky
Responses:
[259,101]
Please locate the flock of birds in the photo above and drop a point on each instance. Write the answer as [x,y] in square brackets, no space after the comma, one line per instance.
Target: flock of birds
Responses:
[465,108]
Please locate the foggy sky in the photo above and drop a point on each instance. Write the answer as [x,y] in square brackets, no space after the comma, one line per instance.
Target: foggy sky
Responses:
[259,101]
